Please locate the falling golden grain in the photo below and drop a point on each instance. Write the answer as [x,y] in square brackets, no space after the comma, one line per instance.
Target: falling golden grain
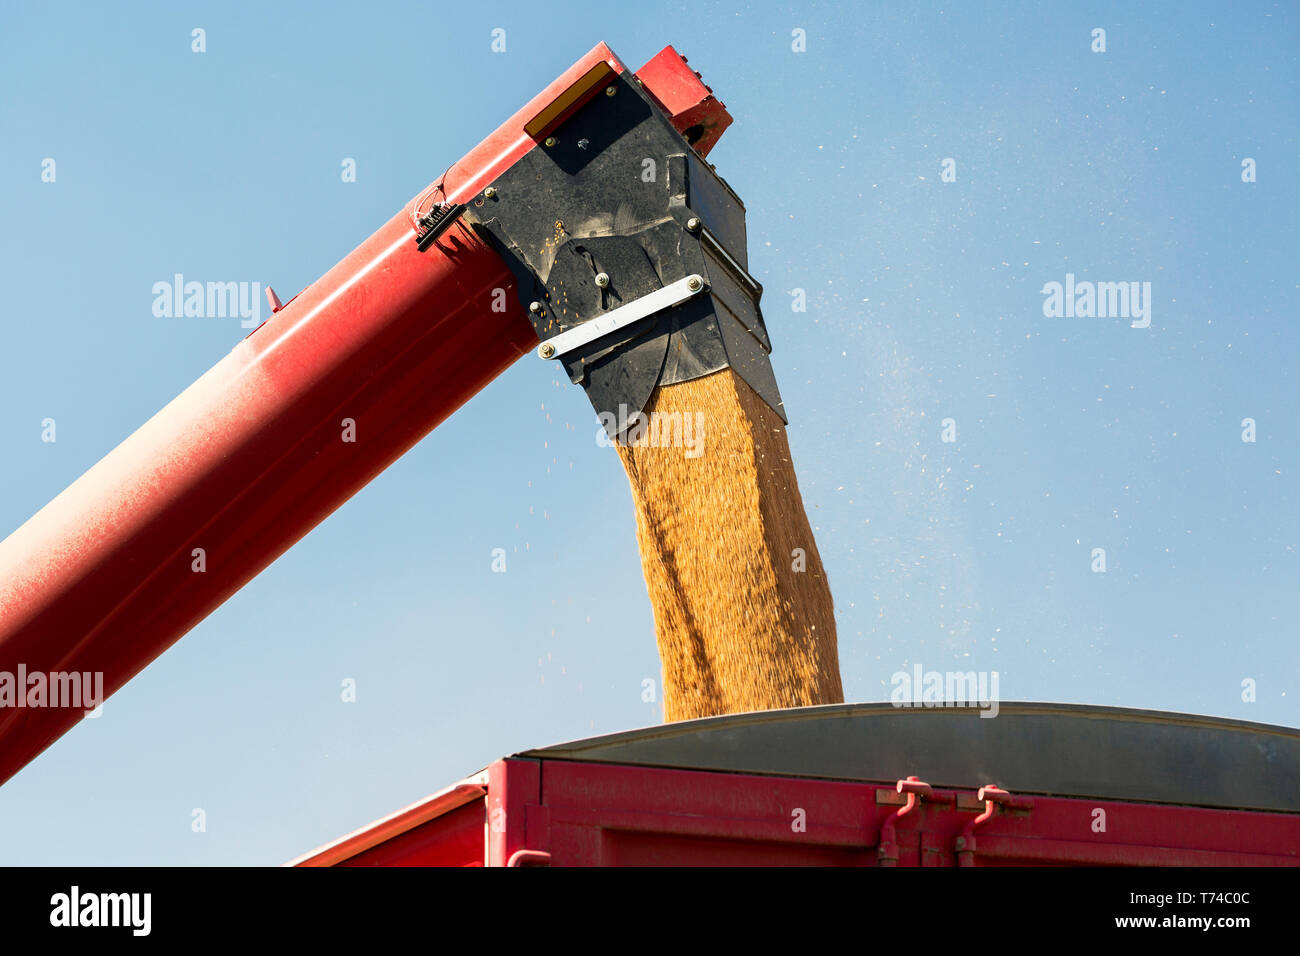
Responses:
[738,628]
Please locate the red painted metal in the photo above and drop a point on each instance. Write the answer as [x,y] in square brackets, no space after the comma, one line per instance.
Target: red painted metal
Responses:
[252,456]
[915,789]
[571,813]
[388,833]
[514,788]
[696,113]
[529,858]
[992,797]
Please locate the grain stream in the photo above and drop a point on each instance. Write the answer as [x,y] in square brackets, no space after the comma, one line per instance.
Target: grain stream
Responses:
[738,627]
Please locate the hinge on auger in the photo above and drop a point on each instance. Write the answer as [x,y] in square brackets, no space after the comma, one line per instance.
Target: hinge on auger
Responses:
[433,223]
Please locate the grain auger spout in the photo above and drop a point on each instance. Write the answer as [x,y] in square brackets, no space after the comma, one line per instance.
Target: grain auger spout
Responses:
[628,249]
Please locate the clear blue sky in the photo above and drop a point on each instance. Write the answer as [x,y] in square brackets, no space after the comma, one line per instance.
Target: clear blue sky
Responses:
[924,303]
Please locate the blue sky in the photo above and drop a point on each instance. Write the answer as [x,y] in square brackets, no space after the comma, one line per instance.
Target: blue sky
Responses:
[923,303]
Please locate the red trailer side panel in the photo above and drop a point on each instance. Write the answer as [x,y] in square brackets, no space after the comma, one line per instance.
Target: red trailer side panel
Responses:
[609,815]
[809,786]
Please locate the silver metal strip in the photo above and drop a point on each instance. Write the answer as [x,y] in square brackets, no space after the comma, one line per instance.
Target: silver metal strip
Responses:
[670,295]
